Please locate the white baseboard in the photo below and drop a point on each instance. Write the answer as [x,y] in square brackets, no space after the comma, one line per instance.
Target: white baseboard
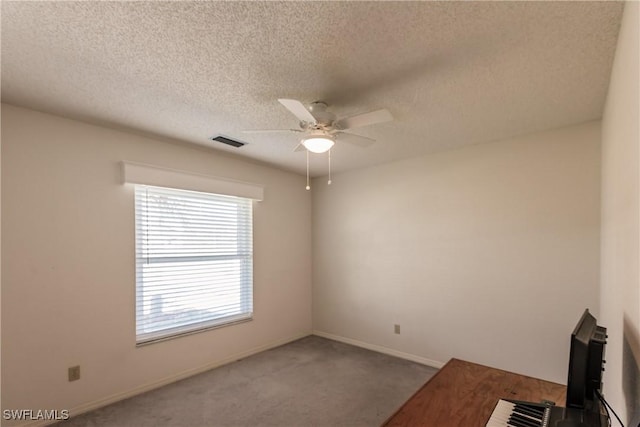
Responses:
[90,406]
[381,349]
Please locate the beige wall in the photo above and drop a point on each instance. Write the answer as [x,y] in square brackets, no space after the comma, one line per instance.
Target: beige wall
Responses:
[68,264]
[488,253]
[620,289]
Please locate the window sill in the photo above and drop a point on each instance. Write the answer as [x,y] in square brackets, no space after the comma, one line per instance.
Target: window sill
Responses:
[152,340]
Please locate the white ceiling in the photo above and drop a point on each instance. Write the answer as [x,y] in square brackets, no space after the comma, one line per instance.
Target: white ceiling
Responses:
[451,73]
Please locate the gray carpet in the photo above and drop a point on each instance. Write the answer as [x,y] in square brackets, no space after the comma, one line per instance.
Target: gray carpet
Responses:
[309,382]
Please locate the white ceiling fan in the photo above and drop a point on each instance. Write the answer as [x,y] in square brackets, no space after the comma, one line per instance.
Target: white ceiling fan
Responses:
[320,127]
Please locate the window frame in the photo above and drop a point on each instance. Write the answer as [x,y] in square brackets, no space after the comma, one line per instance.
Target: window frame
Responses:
[179,181]
[146,258]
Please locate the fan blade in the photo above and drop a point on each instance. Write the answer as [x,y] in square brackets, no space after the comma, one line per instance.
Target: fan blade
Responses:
[352,138]
[271,130]
[299,147]
[366,119]
[298,109]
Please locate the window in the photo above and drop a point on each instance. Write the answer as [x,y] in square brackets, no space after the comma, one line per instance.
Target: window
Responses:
[194,261]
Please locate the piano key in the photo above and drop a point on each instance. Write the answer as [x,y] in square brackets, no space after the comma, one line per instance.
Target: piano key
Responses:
[501,414]
[531,410]
[523,421]
[520,409]
[509,414]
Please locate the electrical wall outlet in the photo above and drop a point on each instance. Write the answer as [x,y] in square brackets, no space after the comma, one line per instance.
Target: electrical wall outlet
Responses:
[396,329]
[74,373]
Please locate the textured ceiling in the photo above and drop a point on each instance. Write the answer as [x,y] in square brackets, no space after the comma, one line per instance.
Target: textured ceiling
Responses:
[451,73]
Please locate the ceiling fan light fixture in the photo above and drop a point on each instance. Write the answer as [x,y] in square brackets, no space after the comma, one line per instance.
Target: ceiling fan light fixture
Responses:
[318,143]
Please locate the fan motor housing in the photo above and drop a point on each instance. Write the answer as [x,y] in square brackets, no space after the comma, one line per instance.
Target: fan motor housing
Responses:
[324,118]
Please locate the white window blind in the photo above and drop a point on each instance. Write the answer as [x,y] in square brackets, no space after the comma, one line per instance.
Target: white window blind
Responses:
[194,261]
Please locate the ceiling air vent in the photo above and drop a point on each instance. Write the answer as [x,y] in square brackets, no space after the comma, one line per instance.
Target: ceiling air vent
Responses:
[228,141]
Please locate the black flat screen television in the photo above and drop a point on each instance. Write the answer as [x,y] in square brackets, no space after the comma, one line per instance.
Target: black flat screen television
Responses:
[586,359]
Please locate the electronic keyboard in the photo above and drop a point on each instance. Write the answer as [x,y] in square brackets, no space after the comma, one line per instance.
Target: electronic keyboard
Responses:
[514,413]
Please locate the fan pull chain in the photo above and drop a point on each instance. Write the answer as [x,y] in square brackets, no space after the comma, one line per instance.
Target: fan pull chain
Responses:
[308,187]
[329,182]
